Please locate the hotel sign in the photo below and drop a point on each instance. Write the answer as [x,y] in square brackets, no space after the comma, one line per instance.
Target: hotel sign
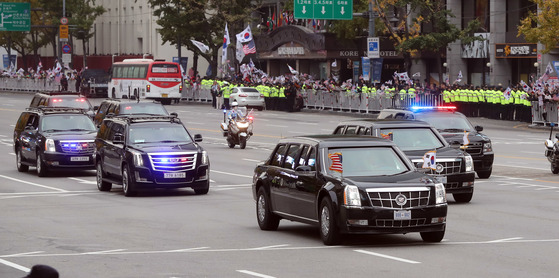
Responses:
[516,50]
[291,50]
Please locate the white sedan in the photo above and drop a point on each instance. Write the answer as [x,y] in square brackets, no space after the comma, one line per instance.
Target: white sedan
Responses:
[247,96]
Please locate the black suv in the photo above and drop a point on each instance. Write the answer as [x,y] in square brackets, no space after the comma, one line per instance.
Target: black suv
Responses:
[127,107]
[348,185]
[62,99]
[50,137]
[146,152]
[456,129]
[425,146]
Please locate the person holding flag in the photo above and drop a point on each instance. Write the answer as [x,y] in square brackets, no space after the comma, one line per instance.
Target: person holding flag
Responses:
[226,42]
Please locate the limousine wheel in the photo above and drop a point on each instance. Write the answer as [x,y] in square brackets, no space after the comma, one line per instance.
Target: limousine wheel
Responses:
[20,167]
[432,236]
[101,184]
[329,231]
[267,220]
[128,183]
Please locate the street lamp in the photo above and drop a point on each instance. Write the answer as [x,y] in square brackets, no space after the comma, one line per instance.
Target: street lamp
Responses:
[537,66]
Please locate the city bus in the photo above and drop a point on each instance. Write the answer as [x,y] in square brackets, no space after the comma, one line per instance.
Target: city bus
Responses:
[146,78]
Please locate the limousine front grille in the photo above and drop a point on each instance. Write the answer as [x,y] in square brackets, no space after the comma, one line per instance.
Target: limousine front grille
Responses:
[389,223]
[399,198]
[443,166]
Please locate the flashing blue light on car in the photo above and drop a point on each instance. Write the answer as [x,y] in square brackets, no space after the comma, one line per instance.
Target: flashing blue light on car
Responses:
[449,107]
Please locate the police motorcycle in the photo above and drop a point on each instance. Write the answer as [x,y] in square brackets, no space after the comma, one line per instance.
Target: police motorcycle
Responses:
[552,151]
[237,128]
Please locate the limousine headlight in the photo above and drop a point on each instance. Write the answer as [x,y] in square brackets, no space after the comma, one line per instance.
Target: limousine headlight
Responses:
[469,162]
[351,196]
[440,194]
[205,159]
[49,146]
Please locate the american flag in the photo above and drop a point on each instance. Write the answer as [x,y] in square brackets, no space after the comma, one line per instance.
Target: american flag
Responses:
[336,162]
[249,48]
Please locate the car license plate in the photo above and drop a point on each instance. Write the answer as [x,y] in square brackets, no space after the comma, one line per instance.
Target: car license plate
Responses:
[79,158]
[164,95]
[441,179]
[402,215]
[178,175]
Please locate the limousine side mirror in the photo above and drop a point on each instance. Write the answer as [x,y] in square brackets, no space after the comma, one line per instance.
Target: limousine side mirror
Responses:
[96,107]
[478,128]
[455,144]
[174,114]
[197,137]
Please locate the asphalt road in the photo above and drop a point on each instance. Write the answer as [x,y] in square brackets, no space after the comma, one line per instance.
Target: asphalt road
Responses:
[508,230]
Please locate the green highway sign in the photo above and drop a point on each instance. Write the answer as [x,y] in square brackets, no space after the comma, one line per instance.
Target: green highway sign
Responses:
[323,9]
[15,16]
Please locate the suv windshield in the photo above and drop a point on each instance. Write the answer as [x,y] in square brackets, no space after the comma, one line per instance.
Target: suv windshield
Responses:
[69,102]
[74,122]
[364,161]
[158,133]
[412,139]
[446,121]
[148,108]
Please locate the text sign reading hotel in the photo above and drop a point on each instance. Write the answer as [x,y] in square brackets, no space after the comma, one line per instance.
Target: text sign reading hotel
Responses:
[323,9]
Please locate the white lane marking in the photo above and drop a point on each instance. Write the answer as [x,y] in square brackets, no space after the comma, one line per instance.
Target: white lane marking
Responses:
[252,160]
[324,129]
[3,135]
[504,239]
[16,266]
[46,193]
[232,185]
[103,252]
[188,249]
[32,183]
[269,247]
[83,181]
[195,123]
[256,274]
[387,257]
[303,123]
[284,126]
[23,254]
[299,132]
[232,174]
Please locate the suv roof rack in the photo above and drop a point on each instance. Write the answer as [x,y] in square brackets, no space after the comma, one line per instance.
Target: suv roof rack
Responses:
[50,110]
[131,118]
[62,93]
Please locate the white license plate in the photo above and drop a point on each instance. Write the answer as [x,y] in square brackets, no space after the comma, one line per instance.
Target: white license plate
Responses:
[441,179]
[79,158]
[402,215]
[174,175]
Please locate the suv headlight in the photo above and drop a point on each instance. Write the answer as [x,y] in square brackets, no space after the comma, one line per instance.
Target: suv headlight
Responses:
[49,146]
[351,196]
[487,147]
[469,162]
[138,159]
[205,158]
[440,194]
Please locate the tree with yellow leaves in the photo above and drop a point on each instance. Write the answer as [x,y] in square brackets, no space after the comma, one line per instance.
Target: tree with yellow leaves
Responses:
[542,26]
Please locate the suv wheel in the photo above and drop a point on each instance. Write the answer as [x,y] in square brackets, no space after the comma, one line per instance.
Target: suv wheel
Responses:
[433,236]
[328,228]
[487,173]
[128,184]
[20,167]
[42,170]
[203,190]
[101,184]
[463,197]
[267,220]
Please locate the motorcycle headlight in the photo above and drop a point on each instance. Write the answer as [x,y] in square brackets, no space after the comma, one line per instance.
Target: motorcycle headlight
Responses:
[205,158]
[49,146]
[440,194]
[487,147]
[242,125]
[351,196]
[138,159]
[469,162]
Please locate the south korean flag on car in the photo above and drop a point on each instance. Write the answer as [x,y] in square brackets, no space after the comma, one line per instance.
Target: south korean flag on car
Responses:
[430,160]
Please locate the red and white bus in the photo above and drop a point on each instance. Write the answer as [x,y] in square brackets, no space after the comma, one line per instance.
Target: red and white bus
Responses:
[146,78]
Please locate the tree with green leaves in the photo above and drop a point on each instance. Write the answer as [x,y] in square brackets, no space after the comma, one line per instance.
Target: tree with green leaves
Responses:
[542,26]
[84,14]
[203,21]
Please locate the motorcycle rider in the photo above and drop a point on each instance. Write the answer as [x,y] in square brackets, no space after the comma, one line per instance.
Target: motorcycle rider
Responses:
[235,113]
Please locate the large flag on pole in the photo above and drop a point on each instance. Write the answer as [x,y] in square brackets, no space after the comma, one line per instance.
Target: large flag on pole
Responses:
[226,42]
[204,48]
[245,35]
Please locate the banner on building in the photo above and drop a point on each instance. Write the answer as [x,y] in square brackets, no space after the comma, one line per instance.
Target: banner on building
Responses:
[516,50]
[366,68]
[477,49]
[377,70]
